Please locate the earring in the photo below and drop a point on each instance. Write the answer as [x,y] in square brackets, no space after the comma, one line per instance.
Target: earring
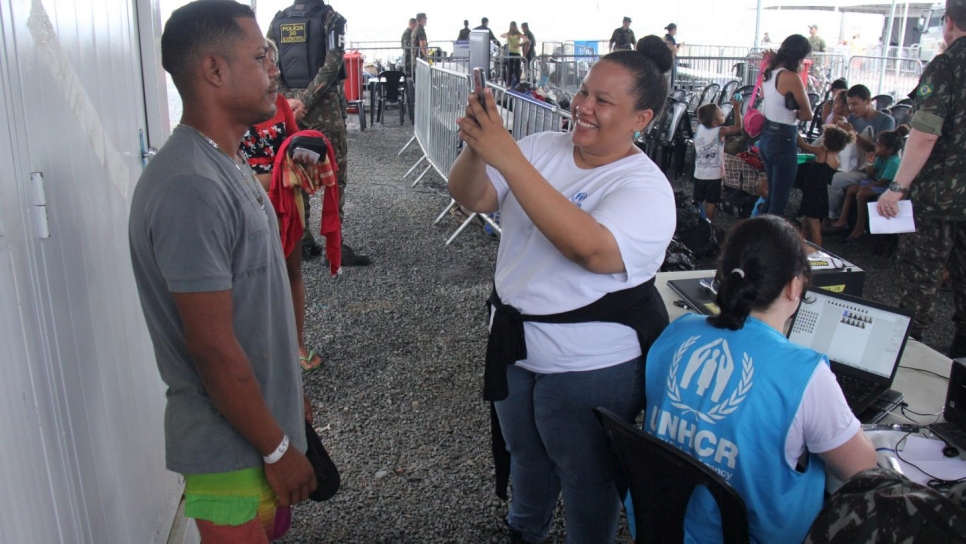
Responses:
[637,134]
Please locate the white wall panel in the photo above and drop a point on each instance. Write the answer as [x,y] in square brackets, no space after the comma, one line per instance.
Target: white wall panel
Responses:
[76,103]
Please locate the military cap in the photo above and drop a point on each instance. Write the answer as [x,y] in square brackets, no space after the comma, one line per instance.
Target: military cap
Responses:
[627,19]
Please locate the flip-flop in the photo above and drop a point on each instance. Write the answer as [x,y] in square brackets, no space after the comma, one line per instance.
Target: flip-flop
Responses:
[306,361]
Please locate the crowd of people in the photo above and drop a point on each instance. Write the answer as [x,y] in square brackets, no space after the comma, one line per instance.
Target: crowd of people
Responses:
[218,230]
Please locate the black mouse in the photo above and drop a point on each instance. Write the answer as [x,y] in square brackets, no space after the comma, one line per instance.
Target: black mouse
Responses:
[950,451]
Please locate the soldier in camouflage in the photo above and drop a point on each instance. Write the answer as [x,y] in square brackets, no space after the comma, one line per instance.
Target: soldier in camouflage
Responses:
[878,506]
[321,106]
[406,43]
[933,174]
[417,44]
[623,37]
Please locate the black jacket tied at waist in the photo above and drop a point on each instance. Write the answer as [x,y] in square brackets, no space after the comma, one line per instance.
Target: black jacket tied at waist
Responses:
[640,308]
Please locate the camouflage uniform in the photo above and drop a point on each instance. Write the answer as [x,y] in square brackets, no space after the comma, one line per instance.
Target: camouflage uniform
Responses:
[325,104]
[419,35]
[406,43]
[623,39]
[938,193]
[878,506]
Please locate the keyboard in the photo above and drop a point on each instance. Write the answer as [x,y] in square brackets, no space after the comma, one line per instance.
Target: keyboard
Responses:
[855,390]
[953,433]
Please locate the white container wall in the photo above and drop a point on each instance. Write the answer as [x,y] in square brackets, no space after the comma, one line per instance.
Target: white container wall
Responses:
[82,403]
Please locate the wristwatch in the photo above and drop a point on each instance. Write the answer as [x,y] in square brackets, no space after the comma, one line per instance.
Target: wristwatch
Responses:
[893,186]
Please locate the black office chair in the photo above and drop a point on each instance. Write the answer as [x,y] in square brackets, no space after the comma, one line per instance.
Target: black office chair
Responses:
[391,93]
[813,99]
[883,101]
[661,479]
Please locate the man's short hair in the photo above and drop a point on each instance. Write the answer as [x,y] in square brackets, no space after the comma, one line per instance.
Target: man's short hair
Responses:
[412,21]
[958,15]
[707,114]
[859,91]
[524,25]
[197,29]
[484,20]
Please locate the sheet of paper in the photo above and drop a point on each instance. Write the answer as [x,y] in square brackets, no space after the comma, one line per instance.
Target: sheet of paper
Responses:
[900,223]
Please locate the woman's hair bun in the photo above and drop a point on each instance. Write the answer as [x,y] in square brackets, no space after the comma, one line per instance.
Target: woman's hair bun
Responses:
[657,51]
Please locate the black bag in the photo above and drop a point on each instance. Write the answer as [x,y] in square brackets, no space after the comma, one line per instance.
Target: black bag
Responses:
[326,473]
[678,258]
[737,202]
[694,232]
[310,143]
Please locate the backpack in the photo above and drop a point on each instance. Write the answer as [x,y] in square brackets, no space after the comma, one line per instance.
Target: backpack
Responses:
[694,231]
[737,203]
[303,41]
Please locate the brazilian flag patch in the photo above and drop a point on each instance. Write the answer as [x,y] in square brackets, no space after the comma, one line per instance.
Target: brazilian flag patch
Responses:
[924,91]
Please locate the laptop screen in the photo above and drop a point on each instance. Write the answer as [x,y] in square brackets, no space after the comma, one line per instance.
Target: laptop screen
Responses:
[851,331]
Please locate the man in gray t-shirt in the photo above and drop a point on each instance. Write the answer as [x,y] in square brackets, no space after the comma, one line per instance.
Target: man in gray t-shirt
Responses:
[211,277]
[866,123]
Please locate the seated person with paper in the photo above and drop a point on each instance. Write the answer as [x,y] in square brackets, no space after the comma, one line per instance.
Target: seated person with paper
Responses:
[732,391]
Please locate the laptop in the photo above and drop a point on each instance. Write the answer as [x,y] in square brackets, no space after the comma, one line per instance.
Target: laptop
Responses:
[698,293]
[863,340]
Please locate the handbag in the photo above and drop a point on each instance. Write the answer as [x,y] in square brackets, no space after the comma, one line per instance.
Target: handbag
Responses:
[326,474]
[754,120]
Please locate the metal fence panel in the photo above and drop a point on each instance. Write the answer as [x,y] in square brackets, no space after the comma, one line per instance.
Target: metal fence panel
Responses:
[885,75]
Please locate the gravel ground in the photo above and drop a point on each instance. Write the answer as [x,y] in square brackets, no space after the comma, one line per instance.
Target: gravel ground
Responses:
[398,398]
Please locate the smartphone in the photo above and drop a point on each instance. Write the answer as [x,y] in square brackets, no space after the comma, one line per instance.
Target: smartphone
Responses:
[479,83]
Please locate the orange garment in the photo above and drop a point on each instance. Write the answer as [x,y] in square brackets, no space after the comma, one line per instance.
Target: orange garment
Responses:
[287,177]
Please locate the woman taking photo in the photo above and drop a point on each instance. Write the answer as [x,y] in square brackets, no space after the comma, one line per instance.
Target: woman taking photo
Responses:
[785,103]
[586,220]
[771,414]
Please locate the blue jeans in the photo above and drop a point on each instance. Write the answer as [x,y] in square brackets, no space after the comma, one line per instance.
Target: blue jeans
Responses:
[779,151]
[556,444]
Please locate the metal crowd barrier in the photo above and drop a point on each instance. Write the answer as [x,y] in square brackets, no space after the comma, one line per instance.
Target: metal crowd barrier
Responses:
[885,75]
[562,73]
[441,96]
[699,50]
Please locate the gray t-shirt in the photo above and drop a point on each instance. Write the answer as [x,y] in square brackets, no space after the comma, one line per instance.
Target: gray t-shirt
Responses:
[881,122]
[196,226]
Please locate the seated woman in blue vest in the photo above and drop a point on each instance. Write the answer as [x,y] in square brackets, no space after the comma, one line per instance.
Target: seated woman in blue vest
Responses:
[731,390]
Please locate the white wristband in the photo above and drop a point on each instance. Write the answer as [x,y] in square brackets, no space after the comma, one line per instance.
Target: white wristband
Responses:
[273,457]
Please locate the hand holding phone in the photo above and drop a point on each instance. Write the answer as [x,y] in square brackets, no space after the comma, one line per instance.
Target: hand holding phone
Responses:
[479,83]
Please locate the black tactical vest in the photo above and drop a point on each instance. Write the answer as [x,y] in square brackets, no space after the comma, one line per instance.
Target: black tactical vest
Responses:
[299,32]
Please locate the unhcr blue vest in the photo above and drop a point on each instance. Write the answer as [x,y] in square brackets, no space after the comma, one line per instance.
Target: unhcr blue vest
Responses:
[729,398]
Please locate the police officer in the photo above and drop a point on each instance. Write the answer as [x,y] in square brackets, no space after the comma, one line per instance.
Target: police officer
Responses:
[406,43]
[623,37]
[313,69]
[933,174]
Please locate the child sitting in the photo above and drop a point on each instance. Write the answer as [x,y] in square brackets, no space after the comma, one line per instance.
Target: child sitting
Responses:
[709,154]
[884,163]
[818,177]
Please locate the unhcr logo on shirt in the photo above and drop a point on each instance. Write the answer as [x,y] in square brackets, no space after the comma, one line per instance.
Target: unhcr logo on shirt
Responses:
[708,374]
[578,199]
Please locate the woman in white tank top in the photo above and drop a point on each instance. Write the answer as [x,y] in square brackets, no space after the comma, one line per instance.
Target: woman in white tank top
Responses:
[784,104]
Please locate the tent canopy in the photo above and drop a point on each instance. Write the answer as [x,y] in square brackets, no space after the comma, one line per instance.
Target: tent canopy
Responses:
[853,6]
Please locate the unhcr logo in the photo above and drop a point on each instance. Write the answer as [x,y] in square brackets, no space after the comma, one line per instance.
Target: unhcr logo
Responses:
[708,372]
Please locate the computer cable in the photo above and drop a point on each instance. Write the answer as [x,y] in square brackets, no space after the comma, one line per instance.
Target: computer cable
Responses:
[924,370]
[936,483]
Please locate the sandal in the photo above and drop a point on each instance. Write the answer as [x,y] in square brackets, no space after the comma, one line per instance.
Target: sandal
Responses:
[306,361]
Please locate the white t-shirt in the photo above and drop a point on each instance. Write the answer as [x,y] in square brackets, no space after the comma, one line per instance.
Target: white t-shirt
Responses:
[632,198]
[708,150]
[824,420]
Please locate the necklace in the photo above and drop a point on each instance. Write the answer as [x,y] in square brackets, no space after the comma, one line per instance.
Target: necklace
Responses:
[248,181]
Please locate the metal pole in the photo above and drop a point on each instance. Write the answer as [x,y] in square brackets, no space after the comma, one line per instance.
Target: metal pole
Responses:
[758,25]
[886,42]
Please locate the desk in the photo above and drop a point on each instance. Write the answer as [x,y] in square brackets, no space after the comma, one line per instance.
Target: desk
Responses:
[924,392]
